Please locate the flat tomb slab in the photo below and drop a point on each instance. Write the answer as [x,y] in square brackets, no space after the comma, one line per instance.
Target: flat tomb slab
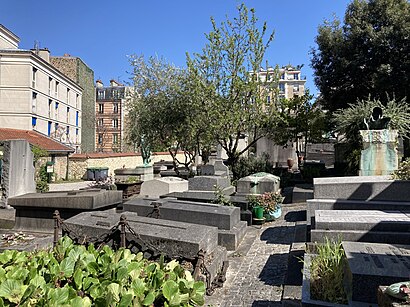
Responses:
[28,241]
[342,204]
[208,183]
[371,220]
[223,217]
[170,237]
[373,264]
[380,188]
[82,199]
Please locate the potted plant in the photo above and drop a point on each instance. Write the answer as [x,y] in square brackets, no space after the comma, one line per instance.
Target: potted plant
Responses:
[272,205]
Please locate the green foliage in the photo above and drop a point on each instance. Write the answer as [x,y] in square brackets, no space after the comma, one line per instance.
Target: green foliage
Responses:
[38,152]
[234,95]
[403,172]
[368,55]
[132,179]
[268,200]
[327,273]
[251,165]
[42,179]
[221,198]
[73,275]
[350,120]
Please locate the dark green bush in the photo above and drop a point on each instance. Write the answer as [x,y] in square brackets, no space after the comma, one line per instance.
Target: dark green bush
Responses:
[251,165]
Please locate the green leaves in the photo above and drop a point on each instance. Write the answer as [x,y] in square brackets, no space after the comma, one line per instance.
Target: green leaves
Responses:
[86,277]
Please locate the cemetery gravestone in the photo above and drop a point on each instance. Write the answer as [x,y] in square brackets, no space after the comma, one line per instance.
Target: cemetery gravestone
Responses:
[161,186]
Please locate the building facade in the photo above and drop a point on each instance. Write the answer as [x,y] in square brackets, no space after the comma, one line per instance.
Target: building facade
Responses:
[110,116]
[34,95]
[291,83]
[78,71]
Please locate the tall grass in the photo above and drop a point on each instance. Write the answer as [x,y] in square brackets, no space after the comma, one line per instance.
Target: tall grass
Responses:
[327,273]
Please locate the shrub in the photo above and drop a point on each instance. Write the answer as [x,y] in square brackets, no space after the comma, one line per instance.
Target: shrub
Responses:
[73,275]
[42,180]
[403,172]
[251,165]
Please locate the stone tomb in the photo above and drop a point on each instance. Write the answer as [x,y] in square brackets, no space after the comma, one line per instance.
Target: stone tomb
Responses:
[371,265]
[258,183]
[362,225]
[163,185]
[174,239]
[227,218]
[34,211]
[141,173]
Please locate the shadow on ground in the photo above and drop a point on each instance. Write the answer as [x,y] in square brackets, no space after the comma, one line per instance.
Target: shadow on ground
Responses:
[274,270]
[266,304]
[278,235]
[295,216]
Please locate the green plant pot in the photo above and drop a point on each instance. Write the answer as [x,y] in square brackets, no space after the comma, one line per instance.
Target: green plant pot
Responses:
[258,212]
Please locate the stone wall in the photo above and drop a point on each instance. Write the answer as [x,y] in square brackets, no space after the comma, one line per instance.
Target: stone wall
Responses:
[78,163]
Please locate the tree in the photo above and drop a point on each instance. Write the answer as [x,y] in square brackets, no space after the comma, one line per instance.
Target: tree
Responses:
[233,95]
[162,112]
[368,55]
[299,120]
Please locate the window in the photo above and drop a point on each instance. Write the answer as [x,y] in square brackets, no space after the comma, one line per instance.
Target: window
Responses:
[56,108]
[50,102]
[296,88]
[34,121]
[100,108]
[55,127]
[76,131]
[115,108]
[68,96]
[49,129]
[34,102]
[68,114]
[67,130]
[281,87]
[268,99]
[295,76]
[282,76]
[76,118]
[100,94]
[33,83]
[50,83]
[115,122]
[77,98]
[56,89]
[115,138]
[100,122]
[100,138]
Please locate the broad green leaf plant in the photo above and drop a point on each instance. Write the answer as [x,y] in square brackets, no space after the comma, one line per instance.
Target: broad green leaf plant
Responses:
[75,275]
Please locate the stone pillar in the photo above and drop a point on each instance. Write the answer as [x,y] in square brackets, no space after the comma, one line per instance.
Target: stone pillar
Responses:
[379,154]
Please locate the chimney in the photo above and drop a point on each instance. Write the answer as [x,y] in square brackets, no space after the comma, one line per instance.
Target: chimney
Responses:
[114,83]
[99,83]
[43,53]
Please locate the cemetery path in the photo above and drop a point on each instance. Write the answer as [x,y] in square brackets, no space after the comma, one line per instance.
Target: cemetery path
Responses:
[258,269]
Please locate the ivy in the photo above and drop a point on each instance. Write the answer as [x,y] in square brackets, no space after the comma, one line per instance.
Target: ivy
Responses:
[75,275]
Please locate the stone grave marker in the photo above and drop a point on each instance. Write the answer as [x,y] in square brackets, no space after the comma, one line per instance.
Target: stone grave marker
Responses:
[371,265]
[163,185]
[258,183]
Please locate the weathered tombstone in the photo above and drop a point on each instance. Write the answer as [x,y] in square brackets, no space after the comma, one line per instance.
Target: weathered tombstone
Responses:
[17,176]
[227,218]
[163,185]
[173,239]
[258,183]
[142,173]
[208,183]
[34,211]
[379,155]
[362,225]
[371,265]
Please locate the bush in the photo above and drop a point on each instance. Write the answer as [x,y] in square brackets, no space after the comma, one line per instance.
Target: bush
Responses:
[251,165]
[73,275]
[403,173]
[42,179]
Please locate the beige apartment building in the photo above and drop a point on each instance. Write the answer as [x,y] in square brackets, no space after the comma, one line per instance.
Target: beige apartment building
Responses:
[291,83]
[111,113]
[34,95]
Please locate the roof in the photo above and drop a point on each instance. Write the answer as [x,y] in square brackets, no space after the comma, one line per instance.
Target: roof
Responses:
[35,138]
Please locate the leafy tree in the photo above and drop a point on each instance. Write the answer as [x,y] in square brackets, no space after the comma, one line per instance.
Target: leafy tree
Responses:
[368,55]
[299,119]
[162,112]
[233,96]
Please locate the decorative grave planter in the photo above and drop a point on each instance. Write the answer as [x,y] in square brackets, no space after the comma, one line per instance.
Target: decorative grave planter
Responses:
[274,214]
[258,212]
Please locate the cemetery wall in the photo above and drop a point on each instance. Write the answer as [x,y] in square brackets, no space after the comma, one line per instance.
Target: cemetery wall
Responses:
[79,163]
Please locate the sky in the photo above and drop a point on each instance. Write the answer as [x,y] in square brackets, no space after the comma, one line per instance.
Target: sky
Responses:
[103,33]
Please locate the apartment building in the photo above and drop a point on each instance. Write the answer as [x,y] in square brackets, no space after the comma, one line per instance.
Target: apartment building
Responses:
[291,83]
[111,113]
[35,95]
[75,68]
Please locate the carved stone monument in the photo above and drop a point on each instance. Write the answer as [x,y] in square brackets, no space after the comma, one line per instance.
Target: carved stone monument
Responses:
[379,154]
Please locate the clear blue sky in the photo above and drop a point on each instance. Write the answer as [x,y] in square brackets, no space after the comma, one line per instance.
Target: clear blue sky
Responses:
[103,33]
